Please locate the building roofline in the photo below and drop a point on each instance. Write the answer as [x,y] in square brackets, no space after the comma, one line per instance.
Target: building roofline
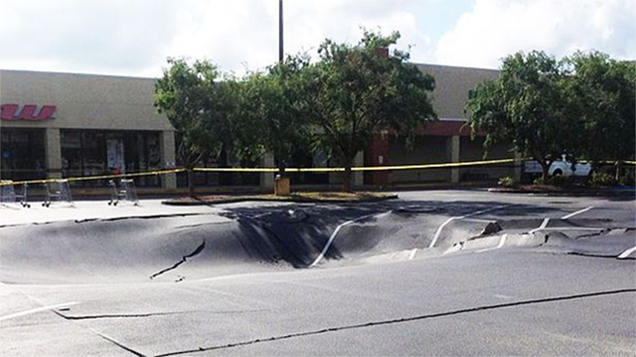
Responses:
[417,64]
[453,67]
[113,76]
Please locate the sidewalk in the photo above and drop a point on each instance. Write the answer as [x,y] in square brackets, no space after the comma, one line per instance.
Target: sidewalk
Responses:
[14,214]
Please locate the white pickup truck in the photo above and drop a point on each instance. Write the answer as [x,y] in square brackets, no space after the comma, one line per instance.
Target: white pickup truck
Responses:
[559,168]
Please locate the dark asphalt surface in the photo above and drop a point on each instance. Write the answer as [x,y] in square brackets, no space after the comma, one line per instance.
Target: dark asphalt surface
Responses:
[240,284]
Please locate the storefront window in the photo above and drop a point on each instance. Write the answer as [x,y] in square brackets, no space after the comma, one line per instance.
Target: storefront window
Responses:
[212,179]
[92,152]
[22,154]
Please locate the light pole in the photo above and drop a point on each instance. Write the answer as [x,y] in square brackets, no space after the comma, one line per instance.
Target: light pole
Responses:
[281,182]
[280,31]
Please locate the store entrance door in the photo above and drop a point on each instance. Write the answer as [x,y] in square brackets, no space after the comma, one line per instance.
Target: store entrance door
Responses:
[115,155]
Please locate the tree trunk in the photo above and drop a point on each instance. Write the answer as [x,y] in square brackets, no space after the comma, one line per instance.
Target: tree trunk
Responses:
[190,173]
[618,171]
[545,168]
[346,184]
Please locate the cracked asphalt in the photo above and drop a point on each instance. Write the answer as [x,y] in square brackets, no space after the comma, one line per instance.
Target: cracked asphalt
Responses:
[434,273]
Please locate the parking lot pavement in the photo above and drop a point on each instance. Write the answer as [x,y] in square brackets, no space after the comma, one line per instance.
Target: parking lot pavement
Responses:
[238,279]
[14,214]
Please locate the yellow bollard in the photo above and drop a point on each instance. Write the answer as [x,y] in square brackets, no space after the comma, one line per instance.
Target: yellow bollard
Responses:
[281,186]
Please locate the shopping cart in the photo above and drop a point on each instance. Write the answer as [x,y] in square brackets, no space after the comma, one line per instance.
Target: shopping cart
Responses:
[57,191]
[125,191]
[8,195]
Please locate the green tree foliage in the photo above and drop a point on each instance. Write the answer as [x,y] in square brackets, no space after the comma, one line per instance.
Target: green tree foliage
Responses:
[196,106]
[273,109]
[335,105]
[604,91]
[356,91]
[527,105]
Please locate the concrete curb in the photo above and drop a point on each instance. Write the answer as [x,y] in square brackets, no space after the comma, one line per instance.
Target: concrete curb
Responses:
[282,199]
[575,192]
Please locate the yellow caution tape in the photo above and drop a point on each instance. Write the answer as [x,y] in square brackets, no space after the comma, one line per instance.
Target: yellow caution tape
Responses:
[614,162]
[88,178]
[359,168]
[274,170]
[435,166]
[135,174]
[235,169]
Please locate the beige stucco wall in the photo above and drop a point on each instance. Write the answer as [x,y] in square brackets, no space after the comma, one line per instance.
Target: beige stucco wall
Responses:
[126,103]
[84,101]
[452,85]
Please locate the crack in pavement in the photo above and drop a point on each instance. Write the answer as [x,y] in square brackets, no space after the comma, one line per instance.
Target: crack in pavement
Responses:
[113,219]
[592,255]
[155,216]
[206,224]
[197,251]
[400,320]
[116,316]
[103,336]
[151,314]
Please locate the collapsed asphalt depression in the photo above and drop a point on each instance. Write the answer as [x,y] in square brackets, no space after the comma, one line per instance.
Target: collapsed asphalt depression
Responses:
[180,247]
[463,272]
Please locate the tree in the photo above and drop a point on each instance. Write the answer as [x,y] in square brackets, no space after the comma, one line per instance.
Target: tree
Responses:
[196,106]
[604,91]
[356,91]
[273,107]
[527,106]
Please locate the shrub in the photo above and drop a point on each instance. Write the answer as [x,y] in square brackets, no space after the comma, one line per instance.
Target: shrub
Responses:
[537,181]
[507,181]
[560,180]
[628,179]
[602,179]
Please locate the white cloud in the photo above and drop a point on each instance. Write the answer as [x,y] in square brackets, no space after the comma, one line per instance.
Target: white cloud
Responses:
[496,28]
[245,34]
[76,35]
[134,37]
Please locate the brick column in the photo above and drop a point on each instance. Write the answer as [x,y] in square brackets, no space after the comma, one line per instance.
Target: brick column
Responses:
[53,156]
[168,158]
[376,154]
[452,155]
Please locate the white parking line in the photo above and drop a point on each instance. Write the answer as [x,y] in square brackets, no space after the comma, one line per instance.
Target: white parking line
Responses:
[33,311]
[438,232]
[577,212]
[574,229]
[542,226]
[501,244]
[412,254]
[626,253]
[335,233]
[478,220]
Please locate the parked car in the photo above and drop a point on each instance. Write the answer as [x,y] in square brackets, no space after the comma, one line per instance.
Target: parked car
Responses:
[561,167]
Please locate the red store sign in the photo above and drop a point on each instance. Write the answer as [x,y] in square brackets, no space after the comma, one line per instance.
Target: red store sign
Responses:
[28,112]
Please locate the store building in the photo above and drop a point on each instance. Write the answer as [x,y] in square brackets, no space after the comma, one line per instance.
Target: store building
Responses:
[56,125]
[59,125]
[442,141]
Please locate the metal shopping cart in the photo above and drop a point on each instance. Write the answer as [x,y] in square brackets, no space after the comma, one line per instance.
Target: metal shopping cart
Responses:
[57,191]
[125,191]
[8,194]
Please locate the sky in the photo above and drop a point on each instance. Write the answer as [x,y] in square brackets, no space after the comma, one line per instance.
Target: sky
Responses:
[135,37]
